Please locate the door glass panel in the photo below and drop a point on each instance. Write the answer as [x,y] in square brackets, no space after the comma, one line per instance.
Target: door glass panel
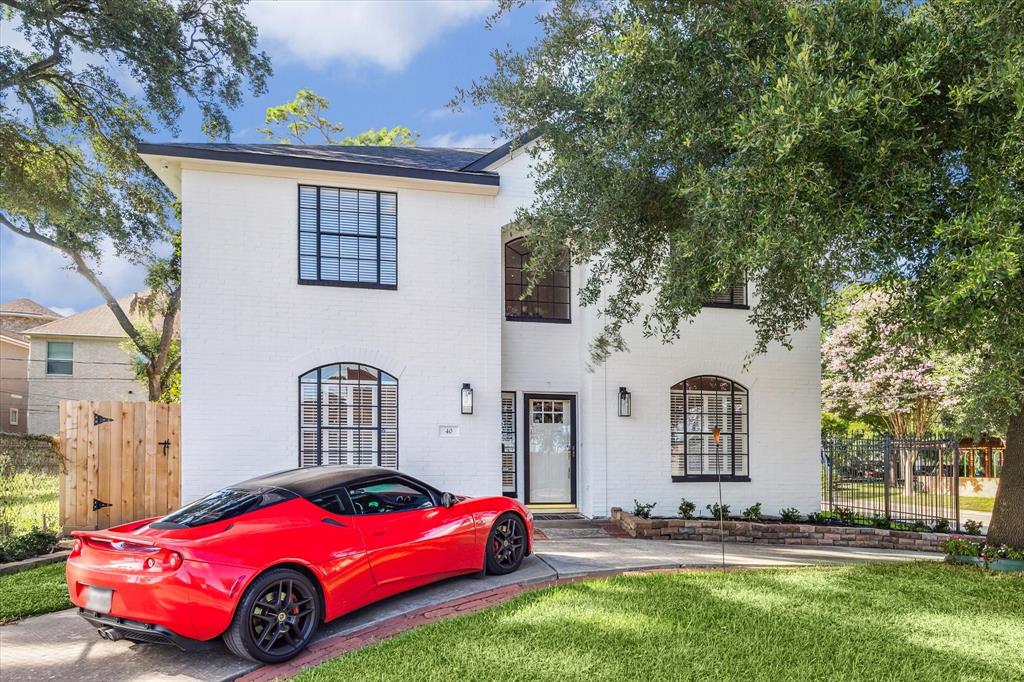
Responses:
[388,496]
[550,451]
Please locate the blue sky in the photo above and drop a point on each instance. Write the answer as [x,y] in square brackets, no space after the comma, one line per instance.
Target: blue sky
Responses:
[379,63]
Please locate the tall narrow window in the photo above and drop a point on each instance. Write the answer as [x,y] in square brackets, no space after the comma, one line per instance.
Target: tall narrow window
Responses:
[59,357]
[733,297]
[508,443]
[549,300]
[348,237]
[702,406]
[348,414]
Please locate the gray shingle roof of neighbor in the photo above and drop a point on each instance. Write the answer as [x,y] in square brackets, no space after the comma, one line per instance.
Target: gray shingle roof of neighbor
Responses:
[454,164]
[29,308]
[97,321]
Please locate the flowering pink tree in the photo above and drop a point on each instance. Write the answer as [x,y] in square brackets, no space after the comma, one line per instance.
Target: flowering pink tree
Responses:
[874,366]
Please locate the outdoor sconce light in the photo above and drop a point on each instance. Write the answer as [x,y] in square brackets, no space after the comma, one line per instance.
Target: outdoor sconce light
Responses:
[716,433]
[625,402]
[467,399]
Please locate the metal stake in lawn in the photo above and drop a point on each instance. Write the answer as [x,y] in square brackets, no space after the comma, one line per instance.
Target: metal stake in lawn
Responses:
[716,433]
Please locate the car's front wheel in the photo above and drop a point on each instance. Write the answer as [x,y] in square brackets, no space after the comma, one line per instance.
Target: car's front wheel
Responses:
[506,544]
[275,618]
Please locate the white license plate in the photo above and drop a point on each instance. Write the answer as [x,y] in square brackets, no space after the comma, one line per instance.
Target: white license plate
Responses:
[98,599]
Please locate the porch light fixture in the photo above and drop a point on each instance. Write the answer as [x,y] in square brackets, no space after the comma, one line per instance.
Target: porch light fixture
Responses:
[625,402]
[467,399]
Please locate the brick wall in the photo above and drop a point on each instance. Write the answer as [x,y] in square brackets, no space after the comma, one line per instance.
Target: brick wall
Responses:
[708,530]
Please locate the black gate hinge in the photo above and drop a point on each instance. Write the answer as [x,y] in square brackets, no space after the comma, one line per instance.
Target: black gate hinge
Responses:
[98,419]
[99,504]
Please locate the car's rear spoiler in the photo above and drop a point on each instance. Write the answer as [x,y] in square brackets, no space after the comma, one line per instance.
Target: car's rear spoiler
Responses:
[112,536]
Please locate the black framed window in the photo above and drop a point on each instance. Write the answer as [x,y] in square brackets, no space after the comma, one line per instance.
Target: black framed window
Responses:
[699,406]
[549,300]
[348,414]
[60,357]
[508,443]
[348,237]
[733,297]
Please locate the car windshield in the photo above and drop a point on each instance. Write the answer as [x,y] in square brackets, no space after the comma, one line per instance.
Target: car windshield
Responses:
[222,505]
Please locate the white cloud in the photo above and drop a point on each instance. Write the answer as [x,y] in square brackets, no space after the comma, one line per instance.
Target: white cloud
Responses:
[36,271]
[453,139]
[444,112]
[66,312]
[388,34]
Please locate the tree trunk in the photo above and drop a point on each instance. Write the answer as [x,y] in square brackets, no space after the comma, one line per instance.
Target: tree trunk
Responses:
[1007,527]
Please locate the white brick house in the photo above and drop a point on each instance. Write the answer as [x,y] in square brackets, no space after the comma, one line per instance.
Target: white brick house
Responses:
[291,264]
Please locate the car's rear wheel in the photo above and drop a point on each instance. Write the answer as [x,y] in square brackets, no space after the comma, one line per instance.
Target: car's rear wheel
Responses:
[506,544]
[275,618]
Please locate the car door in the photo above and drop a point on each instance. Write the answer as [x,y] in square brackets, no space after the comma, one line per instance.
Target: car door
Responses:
[409,537]
[348,579]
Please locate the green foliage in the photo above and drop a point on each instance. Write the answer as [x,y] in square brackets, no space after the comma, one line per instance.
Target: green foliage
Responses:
[961,547]
[972,527]
[753,512]
[29,467]
[716,511]
[70,125]
[294,121]
[818,518]
[686,509]
[868,426]
[38,590]
[846,516]
[881,521]
[941,526]
[27,545]
[921,620]
[790,514]
[643,511]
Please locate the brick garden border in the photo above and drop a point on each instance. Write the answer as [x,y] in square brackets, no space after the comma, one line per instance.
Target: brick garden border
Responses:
[707,530]
[25,564]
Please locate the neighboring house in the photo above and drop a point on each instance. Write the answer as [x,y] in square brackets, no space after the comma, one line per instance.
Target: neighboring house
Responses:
[362,305]
[15,317]
[79,357]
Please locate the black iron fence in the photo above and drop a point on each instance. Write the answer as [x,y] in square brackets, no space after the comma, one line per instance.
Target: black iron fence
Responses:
[877,481]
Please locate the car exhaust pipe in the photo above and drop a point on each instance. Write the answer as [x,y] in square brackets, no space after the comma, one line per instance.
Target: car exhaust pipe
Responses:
[110,633]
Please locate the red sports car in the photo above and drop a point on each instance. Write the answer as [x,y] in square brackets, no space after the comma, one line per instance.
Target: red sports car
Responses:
[264,562]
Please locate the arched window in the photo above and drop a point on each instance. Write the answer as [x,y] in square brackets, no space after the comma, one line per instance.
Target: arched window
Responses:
[549,301]
[699,406]
[348,414]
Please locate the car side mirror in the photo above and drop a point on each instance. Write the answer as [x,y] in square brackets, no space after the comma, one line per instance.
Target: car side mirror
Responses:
[448,500]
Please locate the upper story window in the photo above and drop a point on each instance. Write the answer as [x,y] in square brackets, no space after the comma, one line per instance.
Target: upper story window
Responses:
[59,357]
[549,300]
[348,414]
[348,237]
[706,409]
[733,297]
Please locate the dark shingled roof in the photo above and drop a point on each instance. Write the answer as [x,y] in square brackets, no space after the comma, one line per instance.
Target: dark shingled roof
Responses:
[308,481]
[431,163]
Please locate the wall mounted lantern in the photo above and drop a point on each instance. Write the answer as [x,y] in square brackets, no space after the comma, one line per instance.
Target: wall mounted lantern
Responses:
[625,402]
[467,399]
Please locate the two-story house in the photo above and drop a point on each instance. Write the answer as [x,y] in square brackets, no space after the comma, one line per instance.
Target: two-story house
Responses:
[365,305]
[15,317]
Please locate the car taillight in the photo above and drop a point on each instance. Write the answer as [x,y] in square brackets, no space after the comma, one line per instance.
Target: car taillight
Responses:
[76,547]
[163,560]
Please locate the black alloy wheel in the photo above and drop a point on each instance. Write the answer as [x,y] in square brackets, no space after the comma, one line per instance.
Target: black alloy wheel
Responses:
[506,544]
[275,618]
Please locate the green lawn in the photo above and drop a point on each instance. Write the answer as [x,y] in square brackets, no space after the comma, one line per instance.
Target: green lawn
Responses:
[37,590]
[866,491]
[919,621]
[28,484]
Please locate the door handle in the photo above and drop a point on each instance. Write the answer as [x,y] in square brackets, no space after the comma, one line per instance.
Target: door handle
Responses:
[332,522]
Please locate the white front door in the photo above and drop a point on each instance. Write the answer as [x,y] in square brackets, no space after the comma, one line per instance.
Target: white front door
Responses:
[550,440]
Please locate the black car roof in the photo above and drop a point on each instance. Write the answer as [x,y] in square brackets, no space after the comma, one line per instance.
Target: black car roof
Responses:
[307,481]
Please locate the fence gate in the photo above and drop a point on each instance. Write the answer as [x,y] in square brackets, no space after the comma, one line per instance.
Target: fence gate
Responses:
[122,462]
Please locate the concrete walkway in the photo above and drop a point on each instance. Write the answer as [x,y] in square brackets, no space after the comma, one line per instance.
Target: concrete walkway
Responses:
[61,645]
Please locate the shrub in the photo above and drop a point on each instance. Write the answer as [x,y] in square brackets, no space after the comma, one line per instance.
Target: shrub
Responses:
[643,510]
[818,518]
[881,521]
[717,512]
[941,526]
[972,527]
[686,509]
[753,512]
[961,547]
[847,517]
[27,545]
[919,526]
[790,514]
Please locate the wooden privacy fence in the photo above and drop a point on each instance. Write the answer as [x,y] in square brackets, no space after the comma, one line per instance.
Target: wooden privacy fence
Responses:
[122,462]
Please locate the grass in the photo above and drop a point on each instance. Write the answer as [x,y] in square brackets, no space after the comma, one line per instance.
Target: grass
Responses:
[28,484]
[37,590]
[920,621]
[869,491]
